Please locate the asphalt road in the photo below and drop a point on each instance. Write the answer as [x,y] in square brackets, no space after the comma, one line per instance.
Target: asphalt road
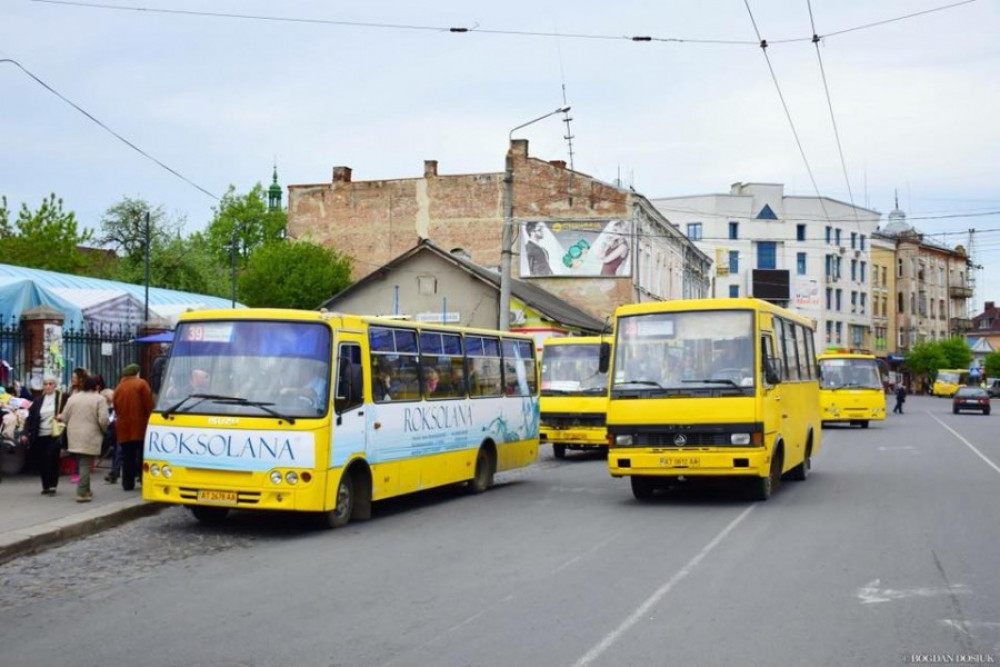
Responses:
[886,555]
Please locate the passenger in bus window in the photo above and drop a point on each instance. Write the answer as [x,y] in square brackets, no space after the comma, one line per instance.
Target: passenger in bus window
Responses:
[432,382]
[383,386]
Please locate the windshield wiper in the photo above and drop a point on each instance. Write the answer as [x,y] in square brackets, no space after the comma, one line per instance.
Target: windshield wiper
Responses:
[236,400]
[716,381]
[202,397]
[649,383]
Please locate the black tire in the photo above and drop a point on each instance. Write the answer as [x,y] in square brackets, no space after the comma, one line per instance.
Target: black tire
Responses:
[864,423]
[484,472]
[986,411]
[340,515]
[954,411]
[559,451]
[209,515]
[764,487]
[800,473]
[642,487]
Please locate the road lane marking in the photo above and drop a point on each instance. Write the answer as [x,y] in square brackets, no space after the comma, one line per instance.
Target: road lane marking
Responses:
[633,618]
[872,593]
[967,444]
[579,557]
[966,627]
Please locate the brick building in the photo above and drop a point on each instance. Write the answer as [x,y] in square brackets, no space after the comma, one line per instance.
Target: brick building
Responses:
[375,221]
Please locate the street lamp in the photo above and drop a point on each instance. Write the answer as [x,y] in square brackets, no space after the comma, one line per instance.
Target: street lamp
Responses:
[507,237]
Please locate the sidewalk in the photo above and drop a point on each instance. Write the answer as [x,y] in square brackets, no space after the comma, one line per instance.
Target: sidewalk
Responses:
[31,522]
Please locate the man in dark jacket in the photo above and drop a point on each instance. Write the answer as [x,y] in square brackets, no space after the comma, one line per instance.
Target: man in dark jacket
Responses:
[133,401]
[900,399]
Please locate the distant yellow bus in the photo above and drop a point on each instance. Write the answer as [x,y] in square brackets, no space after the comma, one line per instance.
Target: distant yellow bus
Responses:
[574,395]
[723,388]
[851,388]
[308,411]
[948,380]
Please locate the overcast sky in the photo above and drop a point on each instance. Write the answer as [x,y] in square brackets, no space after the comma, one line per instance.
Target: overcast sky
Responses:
[383,86]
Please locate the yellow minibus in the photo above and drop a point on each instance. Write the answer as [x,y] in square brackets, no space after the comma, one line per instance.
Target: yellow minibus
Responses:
[851,388]
[723,388]
[309,411]
[574,395]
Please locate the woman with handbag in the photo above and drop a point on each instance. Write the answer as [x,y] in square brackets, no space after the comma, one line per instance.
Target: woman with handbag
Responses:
[86,419]
[42,434]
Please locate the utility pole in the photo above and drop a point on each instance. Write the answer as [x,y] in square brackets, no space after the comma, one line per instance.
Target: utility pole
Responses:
[507,235]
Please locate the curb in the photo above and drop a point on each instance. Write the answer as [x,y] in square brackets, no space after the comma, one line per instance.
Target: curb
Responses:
[44,536]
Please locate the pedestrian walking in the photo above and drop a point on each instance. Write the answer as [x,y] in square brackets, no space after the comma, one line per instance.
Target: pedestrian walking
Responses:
[900,399]
[42,431]
[86,418]
[133,403]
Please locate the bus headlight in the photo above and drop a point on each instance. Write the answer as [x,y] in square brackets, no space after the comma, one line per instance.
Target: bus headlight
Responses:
[623,440]
[167,471]
[154,470]
[291,477]
[275,477]
[739,439]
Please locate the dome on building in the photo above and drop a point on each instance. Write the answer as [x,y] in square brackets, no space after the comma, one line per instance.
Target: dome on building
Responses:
[897,224]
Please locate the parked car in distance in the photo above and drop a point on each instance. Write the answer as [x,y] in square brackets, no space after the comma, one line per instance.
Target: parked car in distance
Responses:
[993,389]
[970,398]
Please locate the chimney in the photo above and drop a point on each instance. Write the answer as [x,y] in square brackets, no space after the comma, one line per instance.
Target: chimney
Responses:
[990,305]
[519,147]
[561,164]
[341,174]
[430,168]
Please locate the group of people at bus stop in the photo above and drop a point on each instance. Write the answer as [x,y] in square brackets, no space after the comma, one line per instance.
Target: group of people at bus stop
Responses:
[86,421]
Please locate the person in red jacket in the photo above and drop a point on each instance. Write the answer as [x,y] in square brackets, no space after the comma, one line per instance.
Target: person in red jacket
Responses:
[133,402]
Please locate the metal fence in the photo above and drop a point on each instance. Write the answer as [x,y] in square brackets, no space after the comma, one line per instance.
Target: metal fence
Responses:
[99,348]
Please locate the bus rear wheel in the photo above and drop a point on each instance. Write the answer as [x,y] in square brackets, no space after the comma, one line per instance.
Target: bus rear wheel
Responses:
[559,451]
[483,478]
[341,513]
[210,515]
[642,487]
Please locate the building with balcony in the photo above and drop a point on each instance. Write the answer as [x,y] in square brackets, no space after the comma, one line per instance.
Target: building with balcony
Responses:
[812,254]
[933,287]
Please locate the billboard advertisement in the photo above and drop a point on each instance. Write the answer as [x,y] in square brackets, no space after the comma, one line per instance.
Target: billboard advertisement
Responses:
[575,248]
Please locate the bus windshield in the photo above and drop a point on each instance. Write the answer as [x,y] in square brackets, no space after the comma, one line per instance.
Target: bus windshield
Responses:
[691,353]
[848,373]
[952,377]
[571,370]
[248,368]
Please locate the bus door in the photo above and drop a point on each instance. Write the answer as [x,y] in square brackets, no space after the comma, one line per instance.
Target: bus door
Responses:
[349,431]
[770,393]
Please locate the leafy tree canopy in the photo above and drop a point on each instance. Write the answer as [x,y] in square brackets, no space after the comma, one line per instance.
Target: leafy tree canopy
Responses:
[992,364]
[957,351]
[247,220]
[926,358]
[124,230]
[47,238]
[292,274]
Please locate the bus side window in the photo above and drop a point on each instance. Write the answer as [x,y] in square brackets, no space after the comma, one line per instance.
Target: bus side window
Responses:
[349,381]
[768,362]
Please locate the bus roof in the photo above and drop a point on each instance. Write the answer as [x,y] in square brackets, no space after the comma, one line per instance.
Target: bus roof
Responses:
[742,303]
[572,340]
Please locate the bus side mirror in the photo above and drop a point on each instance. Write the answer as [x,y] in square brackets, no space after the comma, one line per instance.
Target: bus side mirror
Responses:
[771,373]
[604,358]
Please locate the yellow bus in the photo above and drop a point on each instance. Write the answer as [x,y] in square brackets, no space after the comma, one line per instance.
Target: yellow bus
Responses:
[321,412]
[948,380]
[574,395]
[851,388]
[723,388]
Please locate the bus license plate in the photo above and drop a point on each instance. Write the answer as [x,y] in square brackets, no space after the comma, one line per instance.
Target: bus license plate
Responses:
[680,461]
[213,496]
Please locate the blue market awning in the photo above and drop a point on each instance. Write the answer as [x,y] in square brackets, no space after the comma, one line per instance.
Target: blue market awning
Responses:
[162,337]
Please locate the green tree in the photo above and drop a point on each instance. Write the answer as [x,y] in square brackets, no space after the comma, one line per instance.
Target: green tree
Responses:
[248,220]
[292,274]
[991,364]
[925,359]
[47,238]
[123,228]
[957,351]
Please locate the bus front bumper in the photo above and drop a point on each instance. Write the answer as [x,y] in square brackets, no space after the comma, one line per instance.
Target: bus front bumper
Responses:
[623,462]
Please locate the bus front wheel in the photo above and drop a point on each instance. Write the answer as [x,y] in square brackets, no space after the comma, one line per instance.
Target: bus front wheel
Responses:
[765,486]
[341,513]
[559,451]
[642,487]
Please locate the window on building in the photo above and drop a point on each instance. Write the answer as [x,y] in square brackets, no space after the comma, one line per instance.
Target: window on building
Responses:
[854,270]
[899,268]
[863,302]
[800,263]
[800,232]
[734,291]
[862,271]
[836,236]
[840,297]
[694,231]
[734,230]
[767,255]
[854,301]
[829,266]
[854,240]
[829,298]
[839,331]
[829,234]
[885,276]
[943,314]
[734,262]
[899,303]
[862,241]
[829,332]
